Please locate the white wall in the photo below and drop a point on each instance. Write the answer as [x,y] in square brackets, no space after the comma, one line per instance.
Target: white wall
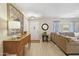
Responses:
[3,11]
[3,19]
[3,24]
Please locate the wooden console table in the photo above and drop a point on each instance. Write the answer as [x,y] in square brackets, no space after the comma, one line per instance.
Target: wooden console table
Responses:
[16,46]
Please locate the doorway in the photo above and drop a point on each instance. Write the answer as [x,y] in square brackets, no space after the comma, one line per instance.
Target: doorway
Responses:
[34,30]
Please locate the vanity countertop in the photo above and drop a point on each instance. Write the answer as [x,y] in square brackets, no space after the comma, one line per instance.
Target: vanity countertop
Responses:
[16,38]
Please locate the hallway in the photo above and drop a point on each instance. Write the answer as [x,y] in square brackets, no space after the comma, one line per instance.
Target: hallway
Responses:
[44,49]
[22,23]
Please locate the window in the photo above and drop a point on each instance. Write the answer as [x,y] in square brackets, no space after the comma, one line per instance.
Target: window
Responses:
[64,26]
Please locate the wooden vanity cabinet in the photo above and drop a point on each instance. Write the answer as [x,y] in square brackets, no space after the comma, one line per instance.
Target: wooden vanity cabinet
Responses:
[16,46]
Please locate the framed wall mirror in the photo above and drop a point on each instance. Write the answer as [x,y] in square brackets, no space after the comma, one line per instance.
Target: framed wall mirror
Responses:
[15,20]
[45,26]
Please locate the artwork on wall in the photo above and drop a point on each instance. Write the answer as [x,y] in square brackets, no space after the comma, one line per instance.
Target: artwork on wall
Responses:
[15,20]
[65,27]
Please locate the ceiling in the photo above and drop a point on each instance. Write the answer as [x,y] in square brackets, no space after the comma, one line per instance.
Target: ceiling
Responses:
[53,10]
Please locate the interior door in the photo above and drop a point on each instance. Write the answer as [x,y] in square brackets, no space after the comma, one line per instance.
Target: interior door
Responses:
[34,30]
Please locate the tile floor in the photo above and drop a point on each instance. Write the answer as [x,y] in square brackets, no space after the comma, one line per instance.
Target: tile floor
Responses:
[43,49]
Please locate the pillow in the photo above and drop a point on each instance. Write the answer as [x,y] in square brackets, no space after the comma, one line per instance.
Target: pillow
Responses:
[77,35]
